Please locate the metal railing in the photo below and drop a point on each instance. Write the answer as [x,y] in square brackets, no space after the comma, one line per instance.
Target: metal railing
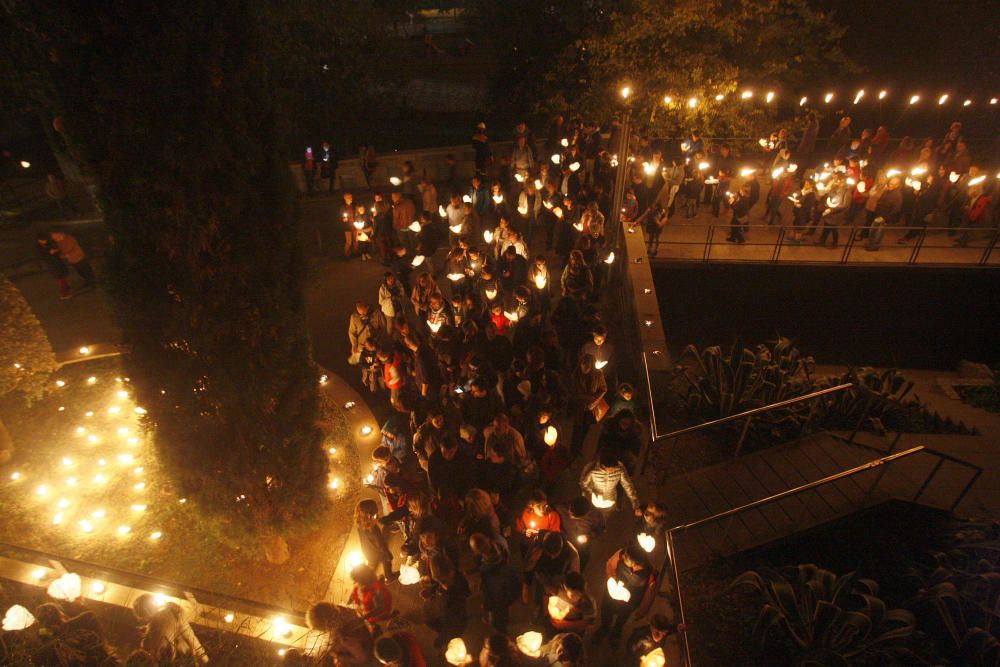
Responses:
[670,553]
[771,244]
[886,457]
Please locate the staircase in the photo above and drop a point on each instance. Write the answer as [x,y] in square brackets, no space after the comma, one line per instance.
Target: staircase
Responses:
[712,490]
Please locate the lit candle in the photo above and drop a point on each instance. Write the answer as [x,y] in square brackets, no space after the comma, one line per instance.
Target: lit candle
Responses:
[529,643]
[617,590]
[646,541]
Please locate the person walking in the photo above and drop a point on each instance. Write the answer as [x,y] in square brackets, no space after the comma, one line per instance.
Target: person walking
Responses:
[71,252]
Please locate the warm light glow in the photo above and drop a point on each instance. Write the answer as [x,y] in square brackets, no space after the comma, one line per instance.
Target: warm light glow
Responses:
[17,618]
[828,98]
[914,99]
[943,99]
[803,100]
[414,226]
[747,171]
[488,236]
[138,507]
[25,164]
[893,172]
[551,435]
[720,97]
[648,168]
[354,559]
[124,530]
[953,177]
[86,526]
[993,100]
[456,653]
[558,608]
[556,158]
[776,174]
[859,95]
[646,541]
[498,199]
[395,180]
[155,535]
[600,364]
[366,429]
[977,180]
[84,350]
[455,229]
[229,618]
[574,167]
[540,280]
[654,658]
[918,171]
[67,587]
[967,103]
[702,166]
[617,590]
[92,380]
[529,643]
[467,199]
[582,539]
[42,490]
[455,276]
[882,94]
[417,261]
[280,626]
[625,92]
[692,103]
[746,94]
[60,383]
[769,97]
[667,99]
[408,574]
[564,142]
[601,503]
[442,212]
[14,476]
[792,168]
[97,587]
[610,259]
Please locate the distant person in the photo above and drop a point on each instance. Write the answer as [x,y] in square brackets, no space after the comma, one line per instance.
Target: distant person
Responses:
[48,254]
[328,165]
[71,252]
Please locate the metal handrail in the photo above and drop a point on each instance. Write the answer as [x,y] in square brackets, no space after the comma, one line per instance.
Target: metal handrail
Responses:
[754,411]
[671,550]
[984,246]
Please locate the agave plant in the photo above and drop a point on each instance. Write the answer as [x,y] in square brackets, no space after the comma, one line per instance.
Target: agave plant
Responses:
[959,596]
[721,384]
[830,620]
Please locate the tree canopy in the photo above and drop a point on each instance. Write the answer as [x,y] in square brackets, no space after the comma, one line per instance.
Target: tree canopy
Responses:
[689,49]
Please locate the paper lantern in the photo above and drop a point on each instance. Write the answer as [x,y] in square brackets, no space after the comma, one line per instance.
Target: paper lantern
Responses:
[558,608]
[19,618]
[408,575]
[551,435]
[540,281]
[66,587]
[530,643]
[601,503]
[646,541]
[654,658]
[617,590]
[456,653]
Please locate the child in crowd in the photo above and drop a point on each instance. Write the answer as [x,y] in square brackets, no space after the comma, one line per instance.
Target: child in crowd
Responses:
[370,597]
[373,543]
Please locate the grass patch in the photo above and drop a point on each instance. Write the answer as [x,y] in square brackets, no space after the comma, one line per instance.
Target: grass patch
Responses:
[85,483]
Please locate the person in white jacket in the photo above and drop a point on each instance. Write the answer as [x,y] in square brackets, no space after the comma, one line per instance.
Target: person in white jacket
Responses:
[600,480]
[390,298]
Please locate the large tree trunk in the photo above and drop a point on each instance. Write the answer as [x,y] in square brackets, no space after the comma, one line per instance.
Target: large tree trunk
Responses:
[170,106]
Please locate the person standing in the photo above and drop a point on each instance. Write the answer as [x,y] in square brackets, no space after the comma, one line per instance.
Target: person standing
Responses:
[327,165]
[71,252]
[428,196]
[481,146]
[838,201]
[740,206]
[634,579]
[48,254]
[369,161]
[347,215]
[404,213]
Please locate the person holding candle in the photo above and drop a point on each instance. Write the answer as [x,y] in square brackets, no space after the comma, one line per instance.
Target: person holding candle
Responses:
[631,590]
[600,480]
[369,596]
[587,390]
[545,569]
[647,638]
[571,608]
[538,517]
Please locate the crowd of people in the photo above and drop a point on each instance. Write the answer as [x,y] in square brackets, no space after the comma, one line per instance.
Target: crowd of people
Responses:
[487,342]
[858,184]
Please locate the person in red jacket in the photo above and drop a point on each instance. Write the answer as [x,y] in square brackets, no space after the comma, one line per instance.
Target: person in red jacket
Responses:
[538,516]
[370,597]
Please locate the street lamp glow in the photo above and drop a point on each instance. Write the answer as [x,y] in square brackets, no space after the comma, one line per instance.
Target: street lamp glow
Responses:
[769,97]
[828,98]
[625,92]
[967,103]
[746,94]
[720,97]
[692,103]
[882,94]
[803,100]
[667,99]
[943,99]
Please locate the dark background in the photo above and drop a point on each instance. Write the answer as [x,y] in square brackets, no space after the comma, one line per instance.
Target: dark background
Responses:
[903,317]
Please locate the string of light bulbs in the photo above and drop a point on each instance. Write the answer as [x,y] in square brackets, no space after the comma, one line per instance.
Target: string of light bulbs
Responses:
[829,97]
